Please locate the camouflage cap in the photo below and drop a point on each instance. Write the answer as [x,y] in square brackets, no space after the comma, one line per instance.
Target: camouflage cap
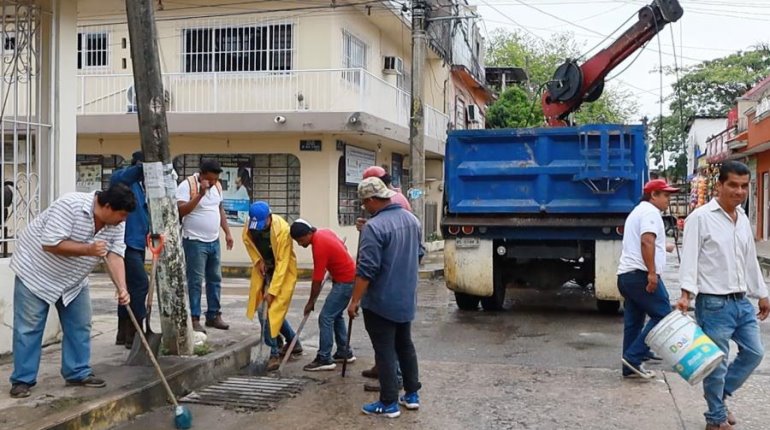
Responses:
[374,187]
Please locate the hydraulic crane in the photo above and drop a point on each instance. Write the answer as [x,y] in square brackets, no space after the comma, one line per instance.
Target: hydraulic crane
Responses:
[573,84]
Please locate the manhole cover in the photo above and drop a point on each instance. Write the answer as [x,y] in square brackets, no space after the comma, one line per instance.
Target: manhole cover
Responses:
[245,392]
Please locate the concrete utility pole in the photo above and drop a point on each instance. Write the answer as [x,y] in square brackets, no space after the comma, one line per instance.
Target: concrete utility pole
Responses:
[417,114]
[159,180]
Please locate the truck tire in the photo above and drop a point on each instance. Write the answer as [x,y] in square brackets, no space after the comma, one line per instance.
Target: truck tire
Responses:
[496,300]
[467,302]
[608,307]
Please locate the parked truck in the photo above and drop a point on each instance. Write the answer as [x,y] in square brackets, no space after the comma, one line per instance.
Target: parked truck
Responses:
[539,207]
[544,206]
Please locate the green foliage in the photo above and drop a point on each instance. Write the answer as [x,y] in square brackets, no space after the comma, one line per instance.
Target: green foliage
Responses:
[513,109]
[709,88]
[540,58]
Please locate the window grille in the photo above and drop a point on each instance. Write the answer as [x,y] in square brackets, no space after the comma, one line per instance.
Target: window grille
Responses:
[354,55]
[275,178]
[93,49]
[348,205]
[238,49]
[94,171]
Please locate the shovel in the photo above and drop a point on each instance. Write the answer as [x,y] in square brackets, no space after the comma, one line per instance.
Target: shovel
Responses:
[257,360]
[138,355]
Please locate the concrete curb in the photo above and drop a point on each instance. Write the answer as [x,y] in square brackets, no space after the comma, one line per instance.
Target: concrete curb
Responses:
[303,273]
[141,397]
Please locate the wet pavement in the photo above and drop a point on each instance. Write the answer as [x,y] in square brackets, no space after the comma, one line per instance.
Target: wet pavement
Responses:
[548,361]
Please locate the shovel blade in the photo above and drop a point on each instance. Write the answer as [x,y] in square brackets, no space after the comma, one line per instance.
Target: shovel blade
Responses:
[138,355]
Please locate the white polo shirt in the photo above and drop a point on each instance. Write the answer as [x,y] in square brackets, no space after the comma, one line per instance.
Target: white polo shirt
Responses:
[202,223]
[645,218]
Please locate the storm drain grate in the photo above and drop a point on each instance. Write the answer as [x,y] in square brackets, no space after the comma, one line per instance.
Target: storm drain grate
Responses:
[256,393]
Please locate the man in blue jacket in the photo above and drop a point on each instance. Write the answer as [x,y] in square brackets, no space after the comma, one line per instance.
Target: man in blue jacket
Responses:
[137,228]
[386,289]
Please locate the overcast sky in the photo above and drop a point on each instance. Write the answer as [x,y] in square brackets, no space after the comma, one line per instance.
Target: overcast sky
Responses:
[709,29]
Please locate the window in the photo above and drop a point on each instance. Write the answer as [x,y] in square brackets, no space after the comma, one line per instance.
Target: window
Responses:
[9,44]
[348,206]
[94,171]
[354,52]
[238,49]
[93,49]
[274,178]
[460,114]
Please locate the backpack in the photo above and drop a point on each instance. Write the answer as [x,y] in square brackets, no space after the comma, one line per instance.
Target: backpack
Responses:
[192,181]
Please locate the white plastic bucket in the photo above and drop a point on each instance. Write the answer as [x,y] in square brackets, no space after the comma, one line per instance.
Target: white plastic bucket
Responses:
[683,346]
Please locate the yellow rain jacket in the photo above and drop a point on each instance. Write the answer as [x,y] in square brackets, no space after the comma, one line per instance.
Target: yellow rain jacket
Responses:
[284,276]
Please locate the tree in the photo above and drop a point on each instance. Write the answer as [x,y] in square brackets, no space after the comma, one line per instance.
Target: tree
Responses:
[707,88]
[540,58]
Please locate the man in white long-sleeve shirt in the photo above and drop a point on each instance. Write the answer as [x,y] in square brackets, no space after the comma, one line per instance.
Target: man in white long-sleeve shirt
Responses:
[720,267]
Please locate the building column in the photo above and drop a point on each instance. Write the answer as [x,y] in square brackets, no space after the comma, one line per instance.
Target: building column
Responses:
[64,71]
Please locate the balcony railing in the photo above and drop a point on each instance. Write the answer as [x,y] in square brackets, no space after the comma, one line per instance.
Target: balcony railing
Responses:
[328,90]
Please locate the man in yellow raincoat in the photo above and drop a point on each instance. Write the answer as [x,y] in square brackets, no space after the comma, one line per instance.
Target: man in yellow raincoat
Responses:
[271,250]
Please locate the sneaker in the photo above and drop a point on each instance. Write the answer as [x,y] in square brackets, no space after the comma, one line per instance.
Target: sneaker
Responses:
[339,358]
[20,390]
[317,365]
[380,409]
[639,371]
[651,356]
[410,401]
[89,381]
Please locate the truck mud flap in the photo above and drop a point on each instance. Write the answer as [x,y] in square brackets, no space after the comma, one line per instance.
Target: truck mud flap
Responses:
[606,261]
[468,266]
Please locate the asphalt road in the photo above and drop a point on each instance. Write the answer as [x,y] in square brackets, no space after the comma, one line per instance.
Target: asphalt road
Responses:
[548,361]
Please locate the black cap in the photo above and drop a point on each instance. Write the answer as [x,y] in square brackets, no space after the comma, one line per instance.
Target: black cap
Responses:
[300,228]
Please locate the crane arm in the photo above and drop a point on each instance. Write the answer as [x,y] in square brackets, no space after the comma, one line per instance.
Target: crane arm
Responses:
[573,84]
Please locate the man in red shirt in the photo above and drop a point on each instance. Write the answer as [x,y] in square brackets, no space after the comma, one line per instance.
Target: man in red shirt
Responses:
[329,254]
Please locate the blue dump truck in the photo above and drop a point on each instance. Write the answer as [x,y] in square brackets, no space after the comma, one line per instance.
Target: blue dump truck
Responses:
[539,207]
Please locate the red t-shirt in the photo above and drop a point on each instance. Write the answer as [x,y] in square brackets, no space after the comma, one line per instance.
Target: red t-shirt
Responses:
[329,253]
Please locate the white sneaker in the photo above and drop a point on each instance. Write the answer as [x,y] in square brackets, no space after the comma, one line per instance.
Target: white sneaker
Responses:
[639,371]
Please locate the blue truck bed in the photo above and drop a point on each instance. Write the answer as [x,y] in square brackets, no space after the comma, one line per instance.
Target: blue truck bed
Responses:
[591,169]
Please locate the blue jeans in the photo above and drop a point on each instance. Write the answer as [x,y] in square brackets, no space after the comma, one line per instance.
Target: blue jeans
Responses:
[331,322]
[639,304]
[29,318]
[722,319]
[137,283]
[203,261]
[286,331]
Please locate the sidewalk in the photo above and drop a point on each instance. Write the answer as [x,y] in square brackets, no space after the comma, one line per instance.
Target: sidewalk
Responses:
[763,254]
[130,390]
[134,390]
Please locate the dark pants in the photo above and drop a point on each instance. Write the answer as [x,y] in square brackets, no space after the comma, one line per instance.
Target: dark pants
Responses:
[137,283]
[393,346]
[639,304]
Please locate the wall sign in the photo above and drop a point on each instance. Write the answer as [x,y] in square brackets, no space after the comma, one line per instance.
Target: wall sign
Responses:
[310,145]
[356,161]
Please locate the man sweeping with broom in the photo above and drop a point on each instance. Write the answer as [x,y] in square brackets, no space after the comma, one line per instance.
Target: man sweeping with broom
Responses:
[273,276]
[53,258]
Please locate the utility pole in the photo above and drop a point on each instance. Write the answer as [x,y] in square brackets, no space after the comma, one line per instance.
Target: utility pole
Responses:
[417,114]
[159,180]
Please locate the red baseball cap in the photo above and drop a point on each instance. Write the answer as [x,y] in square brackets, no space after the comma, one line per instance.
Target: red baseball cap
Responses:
[659,185]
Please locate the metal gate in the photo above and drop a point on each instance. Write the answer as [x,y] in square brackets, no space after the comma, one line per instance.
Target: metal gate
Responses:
[431,219]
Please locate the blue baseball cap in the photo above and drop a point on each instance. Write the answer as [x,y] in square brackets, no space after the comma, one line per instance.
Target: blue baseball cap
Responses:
[259,212]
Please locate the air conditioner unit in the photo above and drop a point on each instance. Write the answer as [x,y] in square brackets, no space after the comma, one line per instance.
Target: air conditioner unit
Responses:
[393,65]
[474,114]
[131,100]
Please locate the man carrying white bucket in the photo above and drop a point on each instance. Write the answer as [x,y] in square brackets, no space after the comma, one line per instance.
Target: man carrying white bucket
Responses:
[641,263]
[720,267]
